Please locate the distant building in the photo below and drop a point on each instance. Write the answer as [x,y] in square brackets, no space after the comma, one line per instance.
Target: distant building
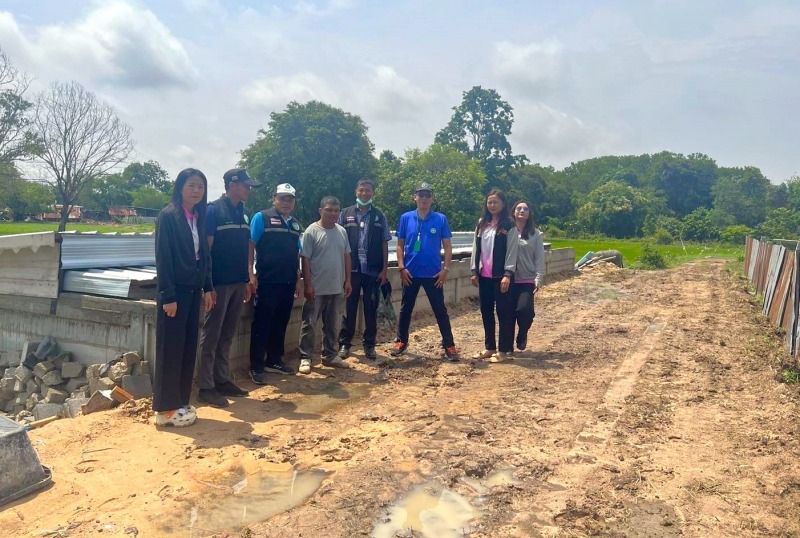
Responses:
[75,214]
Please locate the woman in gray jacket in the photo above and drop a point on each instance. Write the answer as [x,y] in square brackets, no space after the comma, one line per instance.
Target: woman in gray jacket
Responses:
[529,272]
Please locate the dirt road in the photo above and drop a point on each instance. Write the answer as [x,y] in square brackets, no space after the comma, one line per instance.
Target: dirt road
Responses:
[647,405]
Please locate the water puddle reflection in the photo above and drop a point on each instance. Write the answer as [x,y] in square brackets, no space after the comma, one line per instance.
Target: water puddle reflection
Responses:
[431,511]
[500,477]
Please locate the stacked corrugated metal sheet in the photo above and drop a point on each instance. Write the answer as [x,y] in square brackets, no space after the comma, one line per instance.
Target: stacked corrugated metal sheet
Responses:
[109,264]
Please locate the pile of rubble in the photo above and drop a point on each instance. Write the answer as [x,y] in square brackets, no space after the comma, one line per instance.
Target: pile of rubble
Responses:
[38,383]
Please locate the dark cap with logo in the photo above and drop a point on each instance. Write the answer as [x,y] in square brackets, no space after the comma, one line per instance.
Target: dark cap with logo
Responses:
[423,187]
[239,175]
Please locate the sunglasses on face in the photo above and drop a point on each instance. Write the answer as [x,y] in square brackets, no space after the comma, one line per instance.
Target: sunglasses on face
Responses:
[522,210]
[424,195]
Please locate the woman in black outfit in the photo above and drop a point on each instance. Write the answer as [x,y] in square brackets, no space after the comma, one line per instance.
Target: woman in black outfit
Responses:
[494,260]
[183,267]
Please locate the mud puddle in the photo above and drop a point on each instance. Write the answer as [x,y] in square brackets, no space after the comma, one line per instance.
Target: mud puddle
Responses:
[429,510]
[500,477]
[330,397]
[242,498]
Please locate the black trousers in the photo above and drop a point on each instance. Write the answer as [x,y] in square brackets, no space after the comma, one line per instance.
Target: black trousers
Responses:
[492,299]
[273,308]
[370,287]
[436,298]
[523,306]
[176,352]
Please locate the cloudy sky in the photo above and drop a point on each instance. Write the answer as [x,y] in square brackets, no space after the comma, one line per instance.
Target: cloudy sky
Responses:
[196,79]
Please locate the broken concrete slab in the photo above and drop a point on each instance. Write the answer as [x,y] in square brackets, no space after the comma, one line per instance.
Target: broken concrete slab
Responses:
[52,378]
[3,359]
[23,374]
[14,358]
[56,396]
[71,369]
[31,386]
[139,386]
[47,410]
[100,383]
[74,383]
[81,392]
[43,368]
[62,358]
[141,368]
[131,357]
[72,407]
[117,371]
[100,401]
[31,402]
[93,371]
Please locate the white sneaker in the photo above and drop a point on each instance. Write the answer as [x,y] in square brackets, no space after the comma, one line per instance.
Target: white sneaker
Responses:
[500,356]
[305,366]
[178,418]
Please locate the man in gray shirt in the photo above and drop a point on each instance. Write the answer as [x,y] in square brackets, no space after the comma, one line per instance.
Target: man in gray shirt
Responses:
[325,255]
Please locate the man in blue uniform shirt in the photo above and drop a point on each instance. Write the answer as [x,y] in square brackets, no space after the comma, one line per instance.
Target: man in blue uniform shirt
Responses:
[421,235]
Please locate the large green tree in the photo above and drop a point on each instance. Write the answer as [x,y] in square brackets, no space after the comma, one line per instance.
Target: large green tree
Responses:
[685,182]
[20,198]
[321,150]
[615,209]
[17,139]
[479,128]
[457,182]
[742,193]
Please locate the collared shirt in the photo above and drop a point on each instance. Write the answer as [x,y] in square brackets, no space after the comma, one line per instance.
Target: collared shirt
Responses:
[427,261]
[191,218]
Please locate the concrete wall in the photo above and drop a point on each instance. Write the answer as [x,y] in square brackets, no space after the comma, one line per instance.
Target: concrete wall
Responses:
[29,264]
[94,329]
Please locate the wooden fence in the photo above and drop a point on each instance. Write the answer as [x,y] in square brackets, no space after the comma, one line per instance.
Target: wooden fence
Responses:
[773,270]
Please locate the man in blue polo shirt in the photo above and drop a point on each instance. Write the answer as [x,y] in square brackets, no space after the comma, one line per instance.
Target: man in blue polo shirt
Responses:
[228,235]
[421,235]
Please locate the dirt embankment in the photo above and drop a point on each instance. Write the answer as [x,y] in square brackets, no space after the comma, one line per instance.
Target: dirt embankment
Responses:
[646,405]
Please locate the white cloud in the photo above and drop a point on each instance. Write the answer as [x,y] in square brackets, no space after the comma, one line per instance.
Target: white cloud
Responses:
[388,96]
[533,69]
[320,9]
[276,92]
[117,44]
[551,136]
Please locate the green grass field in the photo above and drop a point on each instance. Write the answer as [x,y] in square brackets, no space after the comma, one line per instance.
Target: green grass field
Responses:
[630,249]
[9,228]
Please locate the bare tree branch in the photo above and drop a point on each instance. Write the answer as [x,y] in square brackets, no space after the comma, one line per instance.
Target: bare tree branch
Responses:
[82,139]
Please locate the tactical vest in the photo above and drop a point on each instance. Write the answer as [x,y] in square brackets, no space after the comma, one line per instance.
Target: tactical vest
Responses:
[231,244]
[278,249]
[351,217]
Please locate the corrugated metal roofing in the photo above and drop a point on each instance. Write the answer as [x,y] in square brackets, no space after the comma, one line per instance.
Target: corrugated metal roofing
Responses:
[96,250]
[127,283]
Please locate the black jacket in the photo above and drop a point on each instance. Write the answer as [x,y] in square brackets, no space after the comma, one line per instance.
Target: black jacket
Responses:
[350,219]
[176,267]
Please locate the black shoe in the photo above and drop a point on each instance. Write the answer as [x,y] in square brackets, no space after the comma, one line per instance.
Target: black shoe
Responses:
[370,353]
[399,349]
[231,389]
[212,398]
[522,341]
[259,378]
[279,368]
[344,351]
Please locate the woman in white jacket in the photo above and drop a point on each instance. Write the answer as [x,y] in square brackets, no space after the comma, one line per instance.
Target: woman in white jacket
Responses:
[529,272]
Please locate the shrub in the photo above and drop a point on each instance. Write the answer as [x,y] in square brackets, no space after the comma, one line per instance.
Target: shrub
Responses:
[662,237]
[651,258]
[736,234]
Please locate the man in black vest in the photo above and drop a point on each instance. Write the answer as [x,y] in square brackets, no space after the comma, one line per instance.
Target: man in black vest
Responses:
[275,243]
[228,233]
[369,238]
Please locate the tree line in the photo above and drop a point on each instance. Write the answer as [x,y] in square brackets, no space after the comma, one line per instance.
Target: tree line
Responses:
[81,145]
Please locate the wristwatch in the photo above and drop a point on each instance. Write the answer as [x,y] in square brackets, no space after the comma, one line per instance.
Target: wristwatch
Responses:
[446,269]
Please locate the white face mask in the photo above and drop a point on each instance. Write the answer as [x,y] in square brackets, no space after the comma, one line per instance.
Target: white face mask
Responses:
[363,204]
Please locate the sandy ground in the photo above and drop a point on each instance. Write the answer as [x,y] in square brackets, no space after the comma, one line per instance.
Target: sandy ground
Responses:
[647,404]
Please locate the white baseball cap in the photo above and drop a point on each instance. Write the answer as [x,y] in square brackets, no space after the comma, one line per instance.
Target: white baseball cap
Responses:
[285,188]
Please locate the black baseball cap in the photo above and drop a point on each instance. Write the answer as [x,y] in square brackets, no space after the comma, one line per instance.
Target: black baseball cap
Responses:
[423,187]
[239,175]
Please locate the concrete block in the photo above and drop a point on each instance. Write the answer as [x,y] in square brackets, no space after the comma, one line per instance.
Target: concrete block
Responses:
[19,386]
[62,358]
[141,368]
[9,407]
[29,348]
[23,374]
[9,373]
[71,369]
[100,383]
[52,378]
[81,392]
[43,368]
[117,371]
[47,410]
[93,371]
[75,382]
[31,386]
[32,401]
[3,359]
[139,386]
[18,409]
[14,358]
[56,396]
[131,357]
[72,407]
[7,388]
[100,401]
[21,399]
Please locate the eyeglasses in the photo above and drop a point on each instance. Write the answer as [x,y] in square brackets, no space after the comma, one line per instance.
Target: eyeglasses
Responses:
[522,209]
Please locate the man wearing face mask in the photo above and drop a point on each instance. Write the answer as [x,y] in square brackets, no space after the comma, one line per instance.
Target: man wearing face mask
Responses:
[368,234]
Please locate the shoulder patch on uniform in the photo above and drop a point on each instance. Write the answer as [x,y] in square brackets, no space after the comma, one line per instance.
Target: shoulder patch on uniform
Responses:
[295,226]
[351,218]
[274,221]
